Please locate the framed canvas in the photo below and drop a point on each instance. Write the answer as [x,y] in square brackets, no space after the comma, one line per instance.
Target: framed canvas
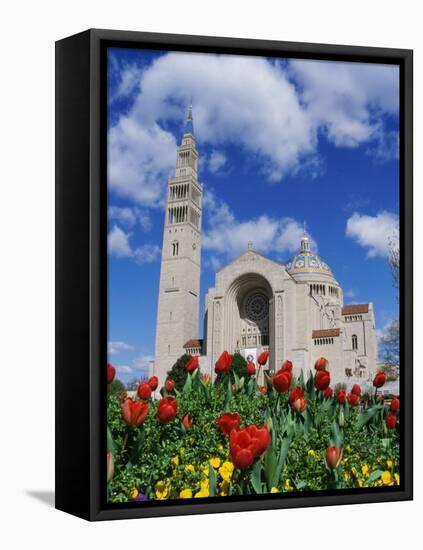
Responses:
[233,274]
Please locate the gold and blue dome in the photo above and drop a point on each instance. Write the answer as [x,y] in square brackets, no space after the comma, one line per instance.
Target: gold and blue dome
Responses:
[306,263]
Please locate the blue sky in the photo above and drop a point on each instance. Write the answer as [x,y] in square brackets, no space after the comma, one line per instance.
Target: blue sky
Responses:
[281,142]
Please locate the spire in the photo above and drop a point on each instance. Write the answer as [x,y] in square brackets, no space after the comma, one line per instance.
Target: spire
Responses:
[189,123]
[305,241]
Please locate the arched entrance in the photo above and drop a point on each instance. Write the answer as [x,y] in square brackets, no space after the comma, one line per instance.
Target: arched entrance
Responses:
[249,315]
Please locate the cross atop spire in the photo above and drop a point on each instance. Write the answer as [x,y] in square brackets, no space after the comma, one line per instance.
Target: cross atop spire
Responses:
[250,245]
[189,123]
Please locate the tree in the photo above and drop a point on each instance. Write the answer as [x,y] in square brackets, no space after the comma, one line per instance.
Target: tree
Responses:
[394,260]
[389,345]
[178,372]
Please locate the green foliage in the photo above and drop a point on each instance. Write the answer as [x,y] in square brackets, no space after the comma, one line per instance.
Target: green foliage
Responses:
[178,372]
[116,387]
[165,460]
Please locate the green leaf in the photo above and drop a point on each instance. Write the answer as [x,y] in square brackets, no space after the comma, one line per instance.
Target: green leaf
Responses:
[255,477]
[187,385]
[236,379]
[337,437]
[374,476]
[366,416]
[110,442]
[212,481]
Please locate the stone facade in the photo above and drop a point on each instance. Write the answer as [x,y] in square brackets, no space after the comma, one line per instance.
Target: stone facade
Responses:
[293,310]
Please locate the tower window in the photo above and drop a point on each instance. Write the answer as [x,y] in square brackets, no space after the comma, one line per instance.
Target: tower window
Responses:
[175,248]
[170,315]
[168,348]
[354,341]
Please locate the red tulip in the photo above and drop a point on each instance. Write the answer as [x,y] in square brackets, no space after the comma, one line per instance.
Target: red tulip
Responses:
[322,380]
[187,421]
[111,372]
[379,380]
[286,366]
[341,396]
[263,390]
[321,364]
[395,405]
[296,393]
[228,422]
[123,395]
[356,390]
[299,405]
[328,393]
[281,382]
[391,421]
[134,412]
[167,409]
[262,358]
[353,399]
[223,364]
[153,382]
[144,391]
[251,368]
[192,364]
[248,444]
[333,457]
[170,385]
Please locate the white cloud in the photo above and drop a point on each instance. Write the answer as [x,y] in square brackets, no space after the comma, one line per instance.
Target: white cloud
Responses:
[142,362]
[275,112]
[125,216]
[114,348]
[347,100]
[216,161]
[118,243]
[120,247]
[375,233]
[128,217]
[229,237]
[124,369]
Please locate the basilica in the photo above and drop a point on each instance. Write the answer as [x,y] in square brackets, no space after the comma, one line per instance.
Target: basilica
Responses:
[294,310]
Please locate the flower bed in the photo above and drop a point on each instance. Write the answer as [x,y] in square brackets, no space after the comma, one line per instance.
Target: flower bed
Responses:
[235,437]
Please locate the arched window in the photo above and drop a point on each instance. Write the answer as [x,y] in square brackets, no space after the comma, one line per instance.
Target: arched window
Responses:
[354,341]
[175,248]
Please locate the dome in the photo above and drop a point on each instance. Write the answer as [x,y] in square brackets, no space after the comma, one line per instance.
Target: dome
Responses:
[306,263]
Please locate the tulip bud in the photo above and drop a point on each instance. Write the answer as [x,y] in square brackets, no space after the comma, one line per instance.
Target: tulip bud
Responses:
[333,457]
[241,383]
[341,420]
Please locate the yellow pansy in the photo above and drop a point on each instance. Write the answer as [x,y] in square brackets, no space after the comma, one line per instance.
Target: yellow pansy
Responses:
[365,469]
[389,464]
[311,452]
[182,452]
[204,485]
[162,489]
[226,470]
[190,468]
[397,478]
[205,469]
[215,462]
[360,482]
[201,494]
[354,471]
[185,493]
[274,490]
[287,486]
[220,448]
[386,477]
[133,493]
[348,448]
[346,476]
[175,460]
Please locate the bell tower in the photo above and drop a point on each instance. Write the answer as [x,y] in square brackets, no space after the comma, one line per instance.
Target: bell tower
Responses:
[179,292]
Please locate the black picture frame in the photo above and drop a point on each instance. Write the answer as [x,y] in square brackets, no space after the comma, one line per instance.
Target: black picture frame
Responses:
[81,274]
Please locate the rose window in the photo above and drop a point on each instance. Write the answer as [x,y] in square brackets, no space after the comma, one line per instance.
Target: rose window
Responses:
[256,306]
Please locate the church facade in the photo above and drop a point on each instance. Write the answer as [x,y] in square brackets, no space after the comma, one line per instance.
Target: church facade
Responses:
[294,310]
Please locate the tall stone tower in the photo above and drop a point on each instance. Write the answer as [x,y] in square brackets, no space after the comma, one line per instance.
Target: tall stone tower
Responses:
[179,293]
